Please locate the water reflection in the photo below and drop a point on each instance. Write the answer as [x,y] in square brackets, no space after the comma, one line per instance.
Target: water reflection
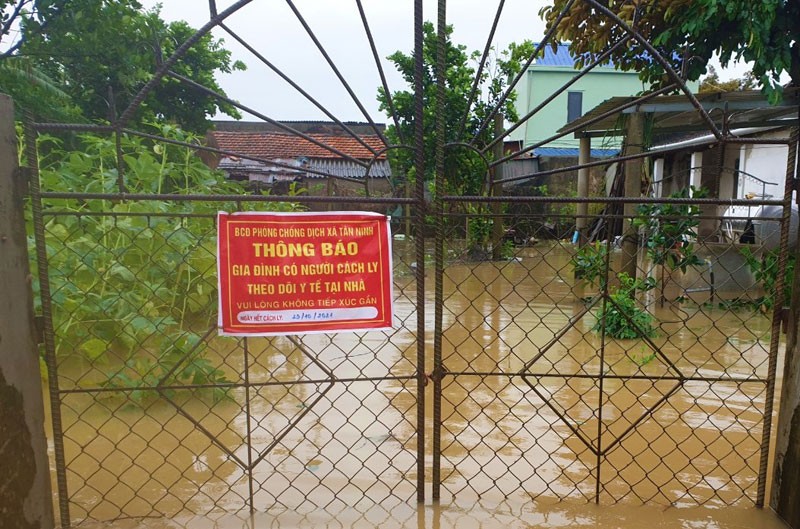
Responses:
[328,424]
[455,516]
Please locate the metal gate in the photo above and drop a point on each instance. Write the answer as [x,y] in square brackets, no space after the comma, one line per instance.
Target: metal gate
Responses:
[501,380]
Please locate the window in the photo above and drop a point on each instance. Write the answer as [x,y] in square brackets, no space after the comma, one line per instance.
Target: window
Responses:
[574,105]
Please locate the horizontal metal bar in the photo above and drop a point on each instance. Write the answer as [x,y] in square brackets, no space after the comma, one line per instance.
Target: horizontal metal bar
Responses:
[605,376]
[685,106]
[233,385]
[121,215]
[611,200]
[73,127]
[223,198]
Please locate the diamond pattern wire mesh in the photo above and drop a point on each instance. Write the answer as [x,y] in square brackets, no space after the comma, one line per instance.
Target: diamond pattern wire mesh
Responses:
[538,401]
[159,417]
[162,418]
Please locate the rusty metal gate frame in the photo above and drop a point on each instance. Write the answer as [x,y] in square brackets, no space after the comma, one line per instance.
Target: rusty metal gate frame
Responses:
[422,209]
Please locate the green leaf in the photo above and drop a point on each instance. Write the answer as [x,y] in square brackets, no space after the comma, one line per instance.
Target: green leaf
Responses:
[94,348]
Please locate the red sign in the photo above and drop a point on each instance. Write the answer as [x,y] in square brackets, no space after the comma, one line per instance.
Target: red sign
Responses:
[298,273]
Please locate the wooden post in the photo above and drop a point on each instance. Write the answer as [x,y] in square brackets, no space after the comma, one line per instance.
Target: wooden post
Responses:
[496,189]
[25,496]
[582,209]
[785,494]
[634,140]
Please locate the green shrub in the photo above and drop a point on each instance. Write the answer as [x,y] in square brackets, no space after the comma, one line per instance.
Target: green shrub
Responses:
[621,316]
[765,272]
[132,282]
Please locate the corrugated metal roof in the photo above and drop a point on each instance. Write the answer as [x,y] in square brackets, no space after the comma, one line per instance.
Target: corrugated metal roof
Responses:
[561,152]
[303,166]
[380,169]
[675,114]
[561,58]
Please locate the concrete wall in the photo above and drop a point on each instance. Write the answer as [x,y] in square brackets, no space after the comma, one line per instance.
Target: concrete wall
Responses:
[25,497]
[540,83]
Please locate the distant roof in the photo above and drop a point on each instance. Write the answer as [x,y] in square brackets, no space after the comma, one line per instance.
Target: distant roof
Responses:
[675,113]
[561,58]
[275,145]
[565,152]
[319,127]
[308,168]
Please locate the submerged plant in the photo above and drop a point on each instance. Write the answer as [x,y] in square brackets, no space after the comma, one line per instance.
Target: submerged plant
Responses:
[621,317]
[765,272]
[671,230]
[589,263]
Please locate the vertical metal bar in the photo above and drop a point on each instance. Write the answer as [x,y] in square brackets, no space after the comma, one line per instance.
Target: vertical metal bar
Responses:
[120,161]
[441,41]
[419,167]
[246,369]
[47,313]
[777,316]
[599,454]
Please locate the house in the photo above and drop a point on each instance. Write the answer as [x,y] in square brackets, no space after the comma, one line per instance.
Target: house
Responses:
[320,157]
[554,94]
[549,74]
[684,153]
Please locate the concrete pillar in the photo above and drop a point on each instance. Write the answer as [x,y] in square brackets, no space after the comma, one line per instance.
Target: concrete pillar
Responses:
[634,144]
[498,229]
[25,495]
[582,210]
[658,177]
[696,170]
[785,493]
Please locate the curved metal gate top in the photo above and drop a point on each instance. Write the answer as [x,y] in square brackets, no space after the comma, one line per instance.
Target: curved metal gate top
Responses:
[499,382]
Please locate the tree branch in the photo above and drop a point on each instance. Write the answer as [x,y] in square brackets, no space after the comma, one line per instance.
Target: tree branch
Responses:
[9,22]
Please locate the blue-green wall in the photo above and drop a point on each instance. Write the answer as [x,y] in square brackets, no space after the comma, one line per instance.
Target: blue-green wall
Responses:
[540,82]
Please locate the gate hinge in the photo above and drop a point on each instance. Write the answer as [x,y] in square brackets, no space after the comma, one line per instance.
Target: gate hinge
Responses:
[38,322]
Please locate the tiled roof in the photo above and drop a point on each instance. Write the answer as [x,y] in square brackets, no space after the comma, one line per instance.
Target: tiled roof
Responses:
[273,145]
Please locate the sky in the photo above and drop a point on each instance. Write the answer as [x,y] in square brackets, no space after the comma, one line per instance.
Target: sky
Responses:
[273,30]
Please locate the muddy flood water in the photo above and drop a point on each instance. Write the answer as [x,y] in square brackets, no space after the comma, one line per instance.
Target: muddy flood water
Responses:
[544,423]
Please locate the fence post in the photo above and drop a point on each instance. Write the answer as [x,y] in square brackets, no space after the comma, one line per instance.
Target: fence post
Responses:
[25,496]
[785,496]
[634,140]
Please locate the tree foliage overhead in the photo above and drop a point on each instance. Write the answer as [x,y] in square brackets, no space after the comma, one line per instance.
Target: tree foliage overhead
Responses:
[100,53]
[465,171]
[688,33]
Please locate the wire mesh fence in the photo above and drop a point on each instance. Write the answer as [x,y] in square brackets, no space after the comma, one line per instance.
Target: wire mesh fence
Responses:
[558,378]
[560,383]
[610,350]
[160,417]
